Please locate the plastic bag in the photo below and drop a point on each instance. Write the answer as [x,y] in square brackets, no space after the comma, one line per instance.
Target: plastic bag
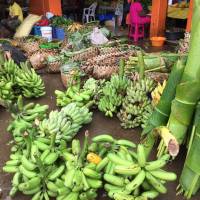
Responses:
[97,37]
[26,26]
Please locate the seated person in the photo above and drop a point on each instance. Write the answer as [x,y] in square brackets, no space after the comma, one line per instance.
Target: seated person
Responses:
[137,13]
[15,16]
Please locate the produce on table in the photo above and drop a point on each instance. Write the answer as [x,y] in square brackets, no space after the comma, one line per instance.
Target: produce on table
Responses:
[136,106]
[16,80]
[82,96]
[127,174]
[113,92]
[65,123]
[157,93]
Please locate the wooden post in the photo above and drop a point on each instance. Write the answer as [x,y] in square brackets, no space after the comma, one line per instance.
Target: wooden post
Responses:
[158,17]
[40,7]
[189,20]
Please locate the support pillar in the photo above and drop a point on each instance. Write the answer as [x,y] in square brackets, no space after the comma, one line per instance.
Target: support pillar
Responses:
[189,20]
[40,7]
[158,17]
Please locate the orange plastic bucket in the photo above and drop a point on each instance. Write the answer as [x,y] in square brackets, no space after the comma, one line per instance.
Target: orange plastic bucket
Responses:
[157,41]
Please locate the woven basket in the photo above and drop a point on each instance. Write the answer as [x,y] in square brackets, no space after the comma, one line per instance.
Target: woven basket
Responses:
[66,78]
[54,67]
[88,53]
[38,59]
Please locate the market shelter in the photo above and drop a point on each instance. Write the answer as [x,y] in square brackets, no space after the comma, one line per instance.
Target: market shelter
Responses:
[160,10]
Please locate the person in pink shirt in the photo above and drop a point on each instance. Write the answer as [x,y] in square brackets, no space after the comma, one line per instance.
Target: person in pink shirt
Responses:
[137,14]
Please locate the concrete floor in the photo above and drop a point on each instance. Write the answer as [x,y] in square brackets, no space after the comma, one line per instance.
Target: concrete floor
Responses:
[100,124]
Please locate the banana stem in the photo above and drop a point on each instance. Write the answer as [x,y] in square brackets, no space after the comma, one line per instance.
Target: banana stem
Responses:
[168,141]
[90,103]
[84,151]
[148,143]
[141,65]
[28,143]
[53,139]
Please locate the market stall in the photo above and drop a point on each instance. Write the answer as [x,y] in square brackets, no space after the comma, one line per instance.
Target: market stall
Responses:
[81,112]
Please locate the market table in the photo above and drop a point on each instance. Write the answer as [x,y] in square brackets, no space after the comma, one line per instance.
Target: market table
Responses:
[176,12]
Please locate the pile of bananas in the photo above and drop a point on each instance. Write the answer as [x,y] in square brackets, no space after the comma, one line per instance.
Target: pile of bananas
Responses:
[113,92]
[30,83]
[157,92]
[7,81]
[65,123]
[74,27]
[23,118]
[75,94]
[81,179]
[35,167]
[44,169]
[127,173]
[137,107]
[16,80]
[6,92]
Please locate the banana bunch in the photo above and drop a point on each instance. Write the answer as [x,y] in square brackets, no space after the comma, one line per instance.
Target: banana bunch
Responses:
[9,71]
[135,178]
[23,118]
[136,107]
[81,179]
[6,91]
[82,96]
[157,92]
[113,93]
[36,170]
[110,101]
[127,173]
[74,27]
[19,80]
[30,83]
[65,123]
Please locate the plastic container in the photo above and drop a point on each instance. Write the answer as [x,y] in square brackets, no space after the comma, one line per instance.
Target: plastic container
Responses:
[54,32]
[59,33]
[37,30]
[105,17]
[47,32]
[157,41]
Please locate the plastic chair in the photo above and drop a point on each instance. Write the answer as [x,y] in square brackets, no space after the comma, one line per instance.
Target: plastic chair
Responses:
[89,13]
[136,31]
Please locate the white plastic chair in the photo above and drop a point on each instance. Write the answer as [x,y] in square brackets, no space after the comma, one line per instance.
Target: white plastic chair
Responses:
[89,13]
